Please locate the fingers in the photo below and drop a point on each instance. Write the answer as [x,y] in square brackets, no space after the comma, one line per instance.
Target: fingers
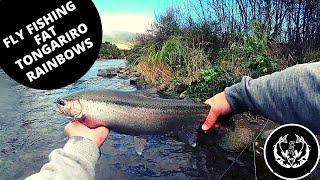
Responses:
[102,131]
[210,121]
[71,128]
[77,127]
[101,135]
[207,101]
[219,106]
[97,135]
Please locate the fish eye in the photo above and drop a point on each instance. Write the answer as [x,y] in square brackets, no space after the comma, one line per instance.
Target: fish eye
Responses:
[61,102]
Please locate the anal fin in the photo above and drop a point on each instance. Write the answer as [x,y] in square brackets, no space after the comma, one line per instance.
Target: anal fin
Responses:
[139,143]
[188,134]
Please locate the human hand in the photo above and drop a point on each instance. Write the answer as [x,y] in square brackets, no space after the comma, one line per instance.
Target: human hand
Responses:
[97,135]
[219,106]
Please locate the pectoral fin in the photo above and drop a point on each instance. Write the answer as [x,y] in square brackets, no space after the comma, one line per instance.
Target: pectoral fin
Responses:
[188,134]
[139,143]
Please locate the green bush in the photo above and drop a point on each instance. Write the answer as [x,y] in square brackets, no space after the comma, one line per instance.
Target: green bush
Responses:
[247,56]
[213,80]
[250,56]
[109,51]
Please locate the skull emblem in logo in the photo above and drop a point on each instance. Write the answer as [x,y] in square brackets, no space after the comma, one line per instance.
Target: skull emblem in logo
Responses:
[292,154]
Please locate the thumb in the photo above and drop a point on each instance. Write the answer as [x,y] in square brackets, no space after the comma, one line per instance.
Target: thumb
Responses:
[71,127]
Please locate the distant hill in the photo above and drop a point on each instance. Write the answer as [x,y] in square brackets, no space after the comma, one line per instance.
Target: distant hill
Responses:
[109,51]
[122,39]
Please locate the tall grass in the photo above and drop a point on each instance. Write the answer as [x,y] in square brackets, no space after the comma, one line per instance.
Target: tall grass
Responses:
[174,61]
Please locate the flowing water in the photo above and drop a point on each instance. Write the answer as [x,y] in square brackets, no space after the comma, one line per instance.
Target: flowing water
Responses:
[30,129]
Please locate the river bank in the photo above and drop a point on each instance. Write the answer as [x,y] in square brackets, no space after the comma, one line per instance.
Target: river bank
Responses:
[238,143]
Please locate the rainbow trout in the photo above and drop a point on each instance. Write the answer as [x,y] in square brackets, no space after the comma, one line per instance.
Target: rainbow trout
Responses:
[133,114]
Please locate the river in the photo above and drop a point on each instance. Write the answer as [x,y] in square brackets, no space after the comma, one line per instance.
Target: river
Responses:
[30,129]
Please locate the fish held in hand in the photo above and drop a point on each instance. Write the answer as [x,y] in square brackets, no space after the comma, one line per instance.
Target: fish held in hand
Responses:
[132,114]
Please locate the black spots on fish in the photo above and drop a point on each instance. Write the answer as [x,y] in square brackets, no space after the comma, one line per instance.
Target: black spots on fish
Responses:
[133,100]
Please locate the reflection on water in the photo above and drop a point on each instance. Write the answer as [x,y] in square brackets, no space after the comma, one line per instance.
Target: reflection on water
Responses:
[30,130]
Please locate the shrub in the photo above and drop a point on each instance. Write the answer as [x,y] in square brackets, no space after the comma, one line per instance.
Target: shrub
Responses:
[213,80]
[313,56]
[249,56]
[109,51]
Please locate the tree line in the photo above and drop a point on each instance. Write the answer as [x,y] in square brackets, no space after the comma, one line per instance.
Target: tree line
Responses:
[203,42]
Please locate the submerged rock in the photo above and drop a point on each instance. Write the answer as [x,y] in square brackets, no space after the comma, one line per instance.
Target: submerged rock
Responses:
[153,90]
[266,134]
[137,74]
[133,80]
[232,159]
[108,73]
[123,71]
[237,139]
[184,95]
[123,76]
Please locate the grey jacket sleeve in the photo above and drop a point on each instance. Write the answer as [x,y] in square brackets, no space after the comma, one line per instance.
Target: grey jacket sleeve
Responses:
[289,96]
[76,160]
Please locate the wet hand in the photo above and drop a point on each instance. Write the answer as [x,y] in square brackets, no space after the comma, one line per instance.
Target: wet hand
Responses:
[97,135]
[219,106]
